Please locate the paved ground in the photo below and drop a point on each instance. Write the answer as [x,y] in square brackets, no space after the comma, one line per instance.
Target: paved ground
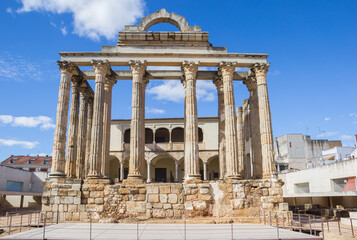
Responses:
[160,231]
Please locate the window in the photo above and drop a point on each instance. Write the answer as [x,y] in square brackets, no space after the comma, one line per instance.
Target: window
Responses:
[46,161]
[302,188]
[177,135]
[200,135]
[162,135]
[14,186]
[344,184]
[127,136]
[13,160]
[31,160]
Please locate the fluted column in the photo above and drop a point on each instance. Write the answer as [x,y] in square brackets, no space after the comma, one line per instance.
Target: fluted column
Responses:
[137,132]
[59,142]
[240,140]
[145,83]
[256,150]
[221,142]
[232,165]
[107,112]
[73,129]
[101,68]
[191,121]
[82,133]
[88,135]
[266,131]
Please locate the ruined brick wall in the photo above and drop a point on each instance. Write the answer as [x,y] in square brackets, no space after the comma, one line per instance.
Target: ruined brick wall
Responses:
[102,201]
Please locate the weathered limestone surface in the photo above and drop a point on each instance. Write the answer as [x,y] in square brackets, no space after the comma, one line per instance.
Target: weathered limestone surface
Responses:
[88,135]
[102,201]
[240,140]
[227,69]
[59,142]
[82,134]
[137,130]
[221,136]
[191,122]
[266,132]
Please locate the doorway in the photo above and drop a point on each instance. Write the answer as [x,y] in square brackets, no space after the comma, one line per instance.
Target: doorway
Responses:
[160,175]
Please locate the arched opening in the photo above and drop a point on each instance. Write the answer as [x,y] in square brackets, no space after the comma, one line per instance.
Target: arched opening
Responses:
[181,169]
[163,169]
[149,136]
[177,135]
[127,136]
[200,135]
[162,27]
[162,135]
[213,168]
[114,167]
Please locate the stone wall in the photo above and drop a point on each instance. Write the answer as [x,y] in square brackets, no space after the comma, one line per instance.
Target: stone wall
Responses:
[105,202]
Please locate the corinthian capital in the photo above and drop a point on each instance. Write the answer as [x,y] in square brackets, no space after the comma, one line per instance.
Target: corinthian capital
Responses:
[227,68]
[190,68]
[219,83]
[251,83]
[260,69]
[137,67]
[66,66]
[109,82]
[101,67]
[76,80]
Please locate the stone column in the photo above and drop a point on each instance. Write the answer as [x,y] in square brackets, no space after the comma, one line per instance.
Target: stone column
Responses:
[101,68]
[137,132]
[59,142]
[145,83]
[107,113]
[221,142]
[82,134]
[205,171]
[240,140]
[89,134]
[121,171]
[148,172]
[256,150]
[191,122]
[177,166]
[73,129]
[266,133]
[227,69]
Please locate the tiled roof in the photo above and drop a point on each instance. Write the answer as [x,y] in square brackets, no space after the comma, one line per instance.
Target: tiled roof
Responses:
[25,160]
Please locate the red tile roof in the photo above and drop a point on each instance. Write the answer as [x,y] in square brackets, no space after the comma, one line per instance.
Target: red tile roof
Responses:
[24,160]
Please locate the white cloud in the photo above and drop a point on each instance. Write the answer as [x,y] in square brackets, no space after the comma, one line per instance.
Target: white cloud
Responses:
[274,73]
[91,18]
[9,10]
[353,114]
[39,154]
[154,110]
[172,90]
[64,31]
[43,122]
[327,119]
[346,137]
[24,144]
[19,68]
[327,134]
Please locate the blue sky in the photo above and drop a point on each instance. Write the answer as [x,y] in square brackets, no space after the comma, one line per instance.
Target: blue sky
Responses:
[311,46]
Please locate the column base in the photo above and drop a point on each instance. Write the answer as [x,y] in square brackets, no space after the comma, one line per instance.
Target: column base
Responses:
[270,175]
[94,176]
[234,177]
[193,179]
[57,175]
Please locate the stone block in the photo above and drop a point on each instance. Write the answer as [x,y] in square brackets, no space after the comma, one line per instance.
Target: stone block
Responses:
[169,213]
[99,201]
[177,214]
[85,194]
[124,191]
[194,191]
[266,184]
[268,206]
[275,191]
[206,197]
[157,205]
[204,190]
[75,216]
[178,206]
[142,190]
[56,199]
[99,187]
[152,189]
[153,198]
[83,216]
[165,189]
[199,205]
[134,191]
[187,191]
[81,208]
[172,198]
[158,213]
[94,208]
[166,206]
[188,206]
[163,198]
[238,204]
[66,200]
[62,192]
[191,197]
[176,189]
[91,200]
[139,197]
[76,200]
[204,185]
[96,194]
[72,208]
[265,191]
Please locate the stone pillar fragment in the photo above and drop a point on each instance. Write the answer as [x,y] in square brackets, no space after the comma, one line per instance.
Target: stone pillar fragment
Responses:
[121,171]
[176,171]
[232,165]
[107,112]
[137,130]
[221,142]
[266,132]
[59,142]
[191,121]
[82,134]
[205,171]
[73,129]
[89,134]
[254,125]
[240,140]
[148,172]
[101,69]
